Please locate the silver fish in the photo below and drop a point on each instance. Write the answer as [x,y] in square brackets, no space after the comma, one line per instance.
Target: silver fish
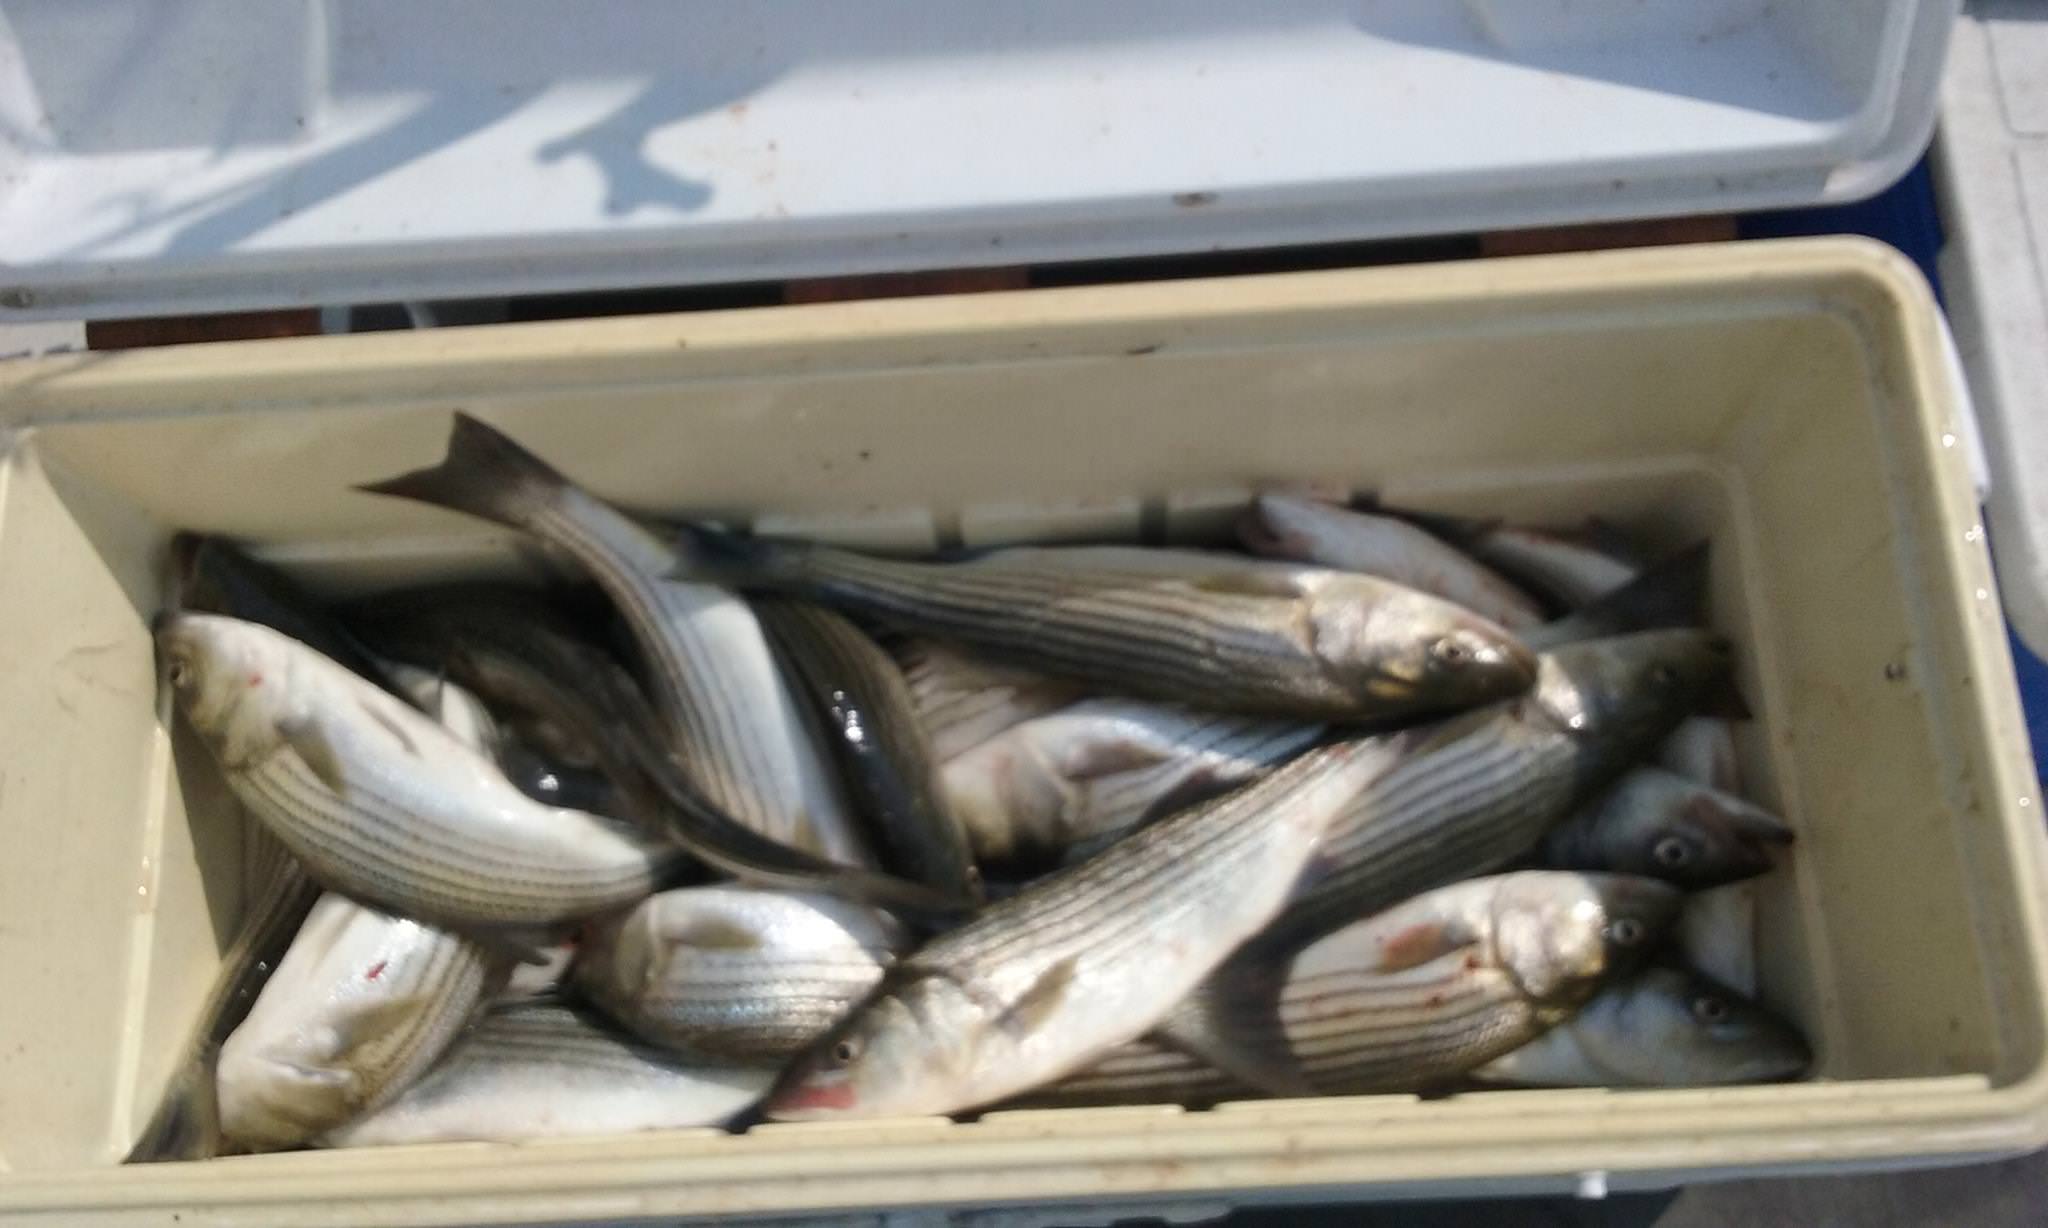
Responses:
[186,1123]
[380,801]
[523,656]
[545,1071]
[1662,1027]
[963,700]
[1469,795]
[1569,569]
[731,718]
[871,722]
[1101,765]
[1311,531]
[1482,788]
[1081,960]
[1414,997]
[1213,630]
[733,971]
[1655,822]
[359,1007]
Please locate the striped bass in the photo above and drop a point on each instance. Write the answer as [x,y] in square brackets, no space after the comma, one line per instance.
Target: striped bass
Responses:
[1041,787]
[1212,630]
[186,1123]
[729,716]
[1655,822]
[870,721]
[1082,960]
[1482,788]
[523,657]
[380,801]
[546,1071]
[732,971]
[359,1007]
[1414,997]
[1662,1027]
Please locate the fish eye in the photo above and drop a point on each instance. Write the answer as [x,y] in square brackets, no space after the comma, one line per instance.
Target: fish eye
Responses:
[1625,931]
[179,672]
[1450,651]
[1709,1009]
[1671,852]
[845,1050]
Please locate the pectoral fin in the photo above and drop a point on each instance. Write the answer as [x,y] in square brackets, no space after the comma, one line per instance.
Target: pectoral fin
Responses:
[1232,1021]
[391,726]
[1041,1001]
[313,741]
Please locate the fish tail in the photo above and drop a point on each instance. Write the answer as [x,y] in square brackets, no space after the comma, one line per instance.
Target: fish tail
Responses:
[485,473]
[1670,593]
[185,1126]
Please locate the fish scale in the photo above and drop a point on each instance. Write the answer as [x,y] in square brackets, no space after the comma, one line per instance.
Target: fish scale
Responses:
[731,970]
[382,848]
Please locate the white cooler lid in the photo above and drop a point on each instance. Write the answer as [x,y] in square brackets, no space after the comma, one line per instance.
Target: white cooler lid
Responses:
[216,154]
[1994,181]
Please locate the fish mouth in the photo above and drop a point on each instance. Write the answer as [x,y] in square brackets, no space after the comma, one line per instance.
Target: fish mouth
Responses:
[810,1098]
[1747,837]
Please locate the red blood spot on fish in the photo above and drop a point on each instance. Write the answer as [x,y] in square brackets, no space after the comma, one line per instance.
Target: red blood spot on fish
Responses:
[255,680]
[1415,945]
[376,970]
[1471,963]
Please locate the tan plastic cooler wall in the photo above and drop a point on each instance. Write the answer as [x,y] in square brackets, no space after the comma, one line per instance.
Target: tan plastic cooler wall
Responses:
[1787,398]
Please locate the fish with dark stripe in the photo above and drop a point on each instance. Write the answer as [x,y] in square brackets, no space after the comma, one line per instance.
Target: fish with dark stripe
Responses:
[728,713]
[1212,630]
[383,803]
[1418,995]
[1084,959]
[870,720]
[735,972]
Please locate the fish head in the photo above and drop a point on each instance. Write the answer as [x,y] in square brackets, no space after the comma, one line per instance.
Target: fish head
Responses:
[1561,935]
[283,1098]
[1286,526]
[1671,1025]
[1619,694]
[1416,650]
[916,1048]
[1660,824]
[623,956]
[232,678]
